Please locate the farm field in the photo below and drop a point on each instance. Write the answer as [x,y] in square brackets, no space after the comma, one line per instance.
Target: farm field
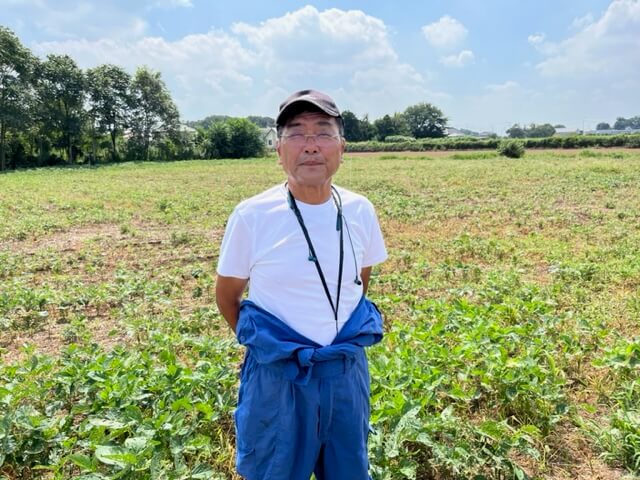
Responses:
[511,297]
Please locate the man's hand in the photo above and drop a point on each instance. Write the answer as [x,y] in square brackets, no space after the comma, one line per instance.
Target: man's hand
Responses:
[228,296]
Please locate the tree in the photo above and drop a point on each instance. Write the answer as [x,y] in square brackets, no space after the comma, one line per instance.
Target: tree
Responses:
[351,126]
[367,130]
[540,131]
[625,123]
[383,127]
[262,122]
[533,131]
[153,112]
[214,141]
[603,126]
[16,65]
[245,139]
[355,129]
[60,86]
[233,138]
[387,126]
[208,121]
[425,120]
[109,103]
[516,131]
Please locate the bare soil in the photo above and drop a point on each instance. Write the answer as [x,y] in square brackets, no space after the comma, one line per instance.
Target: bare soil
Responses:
[147,246]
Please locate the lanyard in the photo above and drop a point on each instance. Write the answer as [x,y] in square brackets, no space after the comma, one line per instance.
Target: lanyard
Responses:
[312,253]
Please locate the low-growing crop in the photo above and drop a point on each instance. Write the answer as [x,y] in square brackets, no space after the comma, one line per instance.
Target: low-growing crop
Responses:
[120,414]
[510,295]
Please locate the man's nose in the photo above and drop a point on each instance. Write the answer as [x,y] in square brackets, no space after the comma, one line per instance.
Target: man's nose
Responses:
[310,145]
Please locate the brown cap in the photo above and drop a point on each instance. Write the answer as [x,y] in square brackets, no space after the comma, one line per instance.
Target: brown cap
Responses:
[294,104]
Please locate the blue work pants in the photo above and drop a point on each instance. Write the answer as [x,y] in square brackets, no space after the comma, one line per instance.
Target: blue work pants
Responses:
[286,430]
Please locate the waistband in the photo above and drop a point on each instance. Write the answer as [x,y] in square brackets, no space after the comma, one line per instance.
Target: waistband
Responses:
[290,370]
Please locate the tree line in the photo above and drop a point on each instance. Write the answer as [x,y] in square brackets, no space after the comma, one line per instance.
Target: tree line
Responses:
[621,123]
[422,120]
[532,131]
[548,130]
[53,112]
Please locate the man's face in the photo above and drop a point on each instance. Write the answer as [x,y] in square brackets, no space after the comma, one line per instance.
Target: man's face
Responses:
[312,162]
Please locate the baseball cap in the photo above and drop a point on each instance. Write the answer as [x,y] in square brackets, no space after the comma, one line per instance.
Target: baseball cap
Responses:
[294,104]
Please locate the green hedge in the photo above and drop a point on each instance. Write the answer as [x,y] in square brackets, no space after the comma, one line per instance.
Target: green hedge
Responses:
[472,143]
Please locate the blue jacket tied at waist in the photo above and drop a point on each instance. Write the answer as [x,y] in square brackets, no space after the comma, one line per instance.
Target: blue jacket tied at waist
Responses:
[270,341]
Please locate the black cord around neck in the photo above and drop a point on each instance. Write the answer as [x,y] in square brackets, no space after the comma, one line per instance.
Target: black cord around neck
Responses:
[312,253]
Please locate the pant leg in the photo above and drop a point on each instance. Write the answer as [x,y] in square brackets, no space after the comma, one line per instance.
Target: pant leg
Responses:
[276,425]
[344,453]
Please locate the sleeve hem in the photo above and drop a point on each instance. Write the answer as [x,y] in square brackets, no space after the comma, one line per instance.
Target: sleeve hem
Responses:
[375,261]
[233,274]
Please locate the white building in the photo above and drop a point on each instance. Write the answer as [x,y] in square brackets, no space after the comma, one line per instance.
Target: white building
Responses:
[269,137]
[566,132]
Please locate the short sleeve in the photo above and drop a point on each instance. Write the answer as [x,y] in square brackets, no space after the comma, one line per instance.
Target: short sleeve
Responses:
[235,251]
[376,251]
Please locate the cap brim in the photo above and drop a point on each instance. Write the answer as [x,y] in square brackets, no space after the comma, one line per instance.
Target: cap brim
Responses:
[296,105]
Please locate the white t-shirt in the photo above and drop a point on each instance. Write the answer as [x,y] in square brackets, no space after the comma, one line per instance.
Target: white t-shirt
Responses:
[264,243]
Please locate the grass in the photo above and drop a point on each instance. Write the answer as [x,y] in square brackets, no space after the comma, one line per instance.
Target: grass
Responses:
[511,296]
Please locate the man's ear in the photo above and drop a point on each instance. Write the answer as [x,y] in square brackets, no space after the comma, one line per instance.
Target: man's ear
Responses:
[278,146]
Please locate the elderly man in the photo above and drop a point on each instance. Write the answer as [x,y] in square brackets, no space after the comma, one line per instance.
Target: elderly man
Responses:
[306,248]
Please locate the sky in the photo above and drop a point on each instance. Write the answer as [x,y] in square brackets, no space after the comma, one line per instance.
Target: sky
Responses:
[486,65]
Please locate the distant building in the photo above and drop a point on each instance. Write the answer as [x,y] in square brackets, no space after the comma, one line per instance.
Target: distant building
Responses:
[462,132]
[182,128]
[454,132]
[612,131]
[566,132]
[269,137]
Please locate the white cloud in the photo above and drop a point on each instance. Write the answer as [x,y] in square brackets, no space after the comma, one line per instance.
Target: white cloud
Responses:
[87,19]
[22,3]
[377,91]
[581,22]
[67,19]
[172,3]
[445,33]
[536,38]
[252,67]
[310,47]
[308,36]
[197,68]
[465,57]
[503,87]
[606,48]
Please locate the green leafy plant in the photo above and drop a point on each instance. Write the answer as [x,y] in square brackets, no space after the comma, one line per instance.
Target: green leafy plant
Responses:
[510,295]
[511,148]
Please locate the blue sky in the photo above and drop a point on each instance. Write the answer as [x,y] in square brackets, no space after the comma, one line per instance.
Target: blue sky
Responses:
[486,64]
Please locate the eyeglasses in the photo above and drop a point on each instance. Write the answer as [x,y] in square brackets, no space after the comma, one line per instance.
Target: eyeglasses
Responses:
[321,139]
